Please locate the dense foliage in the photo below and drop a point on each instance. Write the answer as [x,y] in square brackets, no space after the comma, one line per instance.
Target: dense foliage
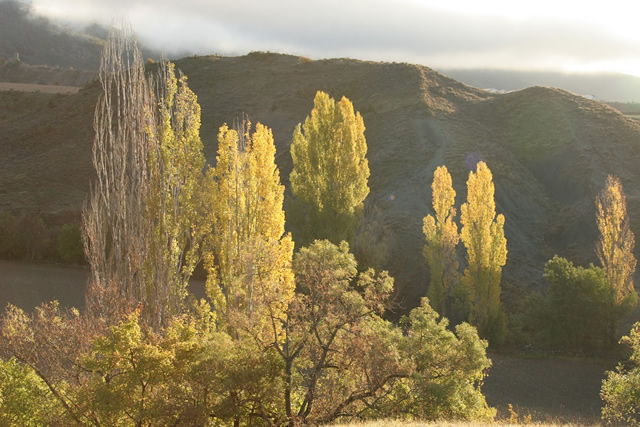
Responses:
[574,313]
[476,294]
[441,233]
[330,355]
[621,388]
[615,252]
[246,250]
[330,171]
[280,339]
[483,236]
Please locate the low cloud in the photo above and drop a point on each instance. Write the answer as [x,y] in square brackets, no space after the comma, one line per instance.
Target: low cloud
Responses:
[389,30]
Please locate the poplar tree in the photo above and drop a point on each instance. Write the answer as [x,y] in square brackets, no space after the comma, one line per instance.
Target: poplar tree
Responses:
[139,227]
[330,171]
[483,236]
[176,176]
[441,234]
[248,254]
[116,231]
[615,251]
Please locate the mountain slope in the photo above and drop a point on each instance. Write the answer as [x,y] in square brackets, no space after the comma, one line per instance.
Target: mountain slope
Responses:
[549,150]
[603,86]
[38,41]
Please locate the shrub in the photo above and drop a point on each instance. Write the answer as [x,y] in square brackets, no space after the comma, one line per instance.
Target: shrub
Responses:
[30,237]
[574,313]
[7,235]
[621,388]
[70,246]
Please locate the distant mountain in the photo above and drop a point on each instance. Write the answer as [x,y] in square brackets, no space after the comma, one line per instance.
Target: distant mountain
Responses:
[549,150]
[601,86]
[37,41]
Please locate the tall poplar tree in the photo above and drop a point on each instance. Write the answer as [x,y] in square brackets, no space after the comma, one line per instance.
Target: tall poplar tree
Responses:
[615,250]
[176,175]
[483,236]
[139,229]
[115,227]
[441,234]
[330,171]
[248,254]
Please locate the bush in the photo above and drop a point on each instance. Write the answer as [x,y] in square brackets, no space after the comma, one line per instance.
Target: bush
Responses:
[621,388]
[573,315]
[24,397]
[7,235]
[70,246]
[31,242]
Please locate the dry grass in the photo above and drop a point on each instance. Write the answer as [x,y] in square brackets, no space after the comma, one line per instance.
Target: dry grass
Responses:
[395,423]
[26,87]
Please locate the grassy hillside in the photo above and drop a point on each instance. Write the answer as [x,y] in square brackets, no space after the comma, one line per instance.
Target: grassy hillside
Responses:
[549,150]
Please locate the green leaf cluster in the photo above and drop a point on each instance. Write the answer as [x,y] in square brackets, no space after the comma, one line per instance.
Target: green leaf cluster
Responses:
[621,388]
[575,314]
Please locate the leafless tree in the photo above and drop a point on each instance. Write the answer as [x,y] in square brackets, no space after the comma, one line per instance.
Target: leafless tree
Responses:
[116,230]
[141,225]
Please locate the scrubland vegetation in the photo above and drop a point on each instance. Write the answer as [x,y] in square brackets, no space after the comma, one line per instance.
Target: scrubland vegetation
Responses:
[294,328]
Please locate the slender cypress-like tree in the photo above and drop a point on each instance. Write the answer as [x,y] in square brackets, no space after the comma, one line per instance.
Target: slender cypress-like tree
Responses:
[483,236]
[330,171]
[441,234]
[249,254]
[615,251]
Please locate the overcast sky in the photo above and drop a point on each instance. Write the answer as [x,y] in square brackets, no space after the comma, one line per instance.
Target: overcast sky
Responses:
[541,35]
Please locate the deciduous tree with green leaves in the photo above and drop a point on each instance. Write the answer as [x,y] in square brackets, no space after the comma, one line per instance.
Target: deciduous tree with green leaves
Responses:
[574,314]
[340,358]
[330,171]
[483,236]
[441,234]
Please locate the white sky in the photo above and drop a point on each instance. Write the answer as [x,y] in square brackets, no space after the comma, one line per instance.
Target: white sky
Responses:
[533,35]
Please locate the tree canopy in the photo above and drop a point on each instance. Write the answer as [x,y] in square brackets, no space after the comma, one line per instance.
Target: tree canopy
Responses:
[441,234]
[483,236]
[615,251]
[330,171]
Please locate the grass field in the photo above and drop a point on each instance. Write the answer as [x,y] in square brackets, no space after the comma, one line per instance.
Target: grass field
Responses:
[394,423]
[26,87]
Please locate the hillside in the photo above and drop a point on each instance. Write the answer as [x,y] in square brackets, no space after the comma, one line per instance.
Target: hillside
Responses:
[36,40]
[602,86]
[549,150]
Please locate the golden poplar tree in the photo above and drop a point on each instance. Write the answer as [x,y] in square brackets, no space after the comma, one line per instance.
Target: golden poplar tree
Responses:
[330,171]
[441,234]
[176,174]
[483,236]
[249,255]
[615,250]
